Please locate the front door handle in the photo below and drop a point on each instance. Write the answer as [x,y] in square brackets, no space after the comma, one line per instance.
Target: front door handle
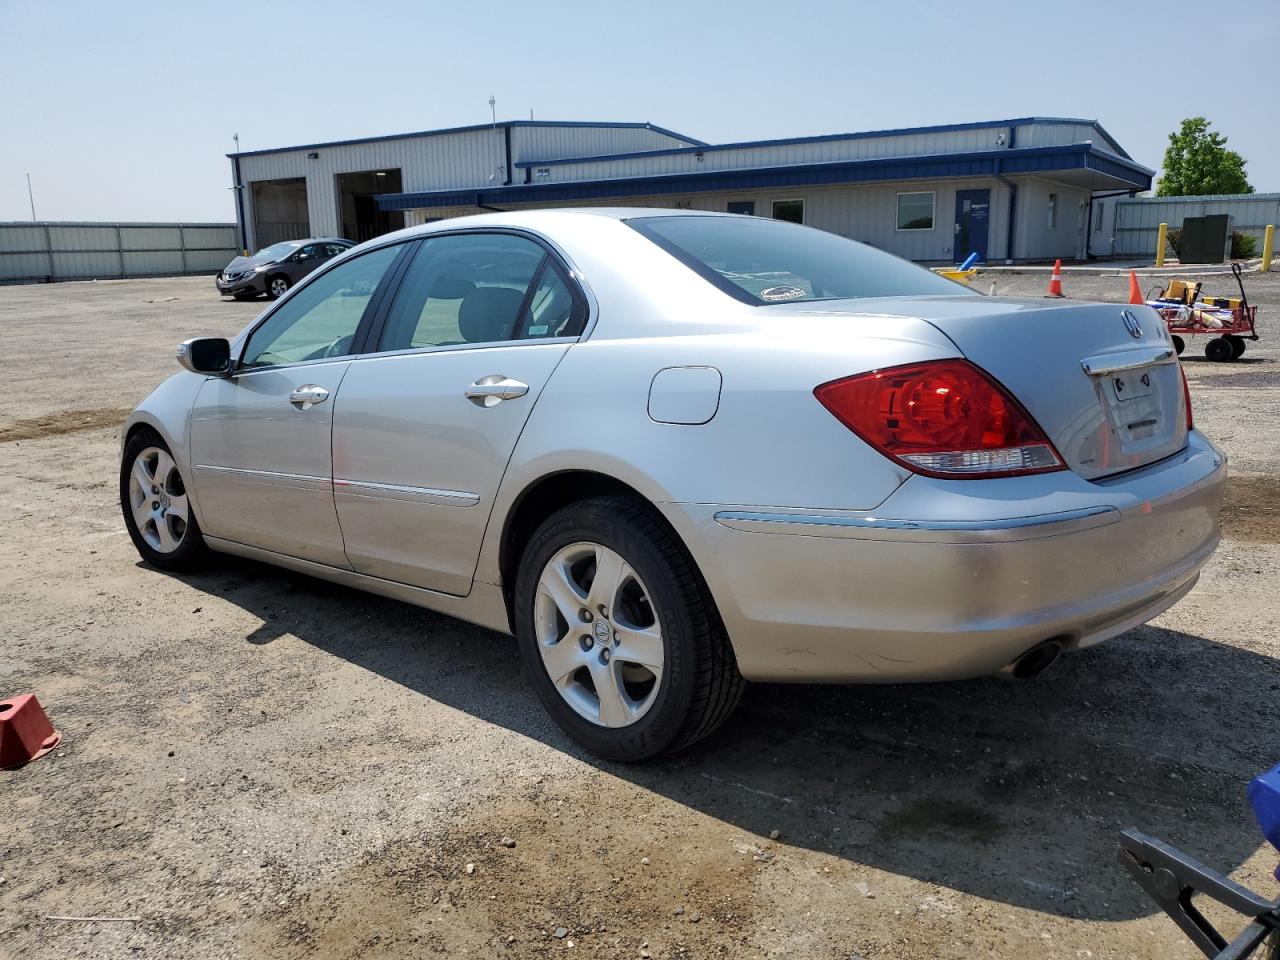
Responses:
[491,390]
[304,398]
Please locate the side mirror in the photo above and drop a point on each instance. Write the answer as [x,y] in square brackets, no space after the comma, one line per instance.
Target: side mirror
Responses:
[211,355]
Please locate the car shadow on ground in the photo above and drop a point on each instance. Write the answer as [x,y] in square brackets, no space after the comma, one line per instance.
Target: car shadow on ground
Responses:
[1013,792]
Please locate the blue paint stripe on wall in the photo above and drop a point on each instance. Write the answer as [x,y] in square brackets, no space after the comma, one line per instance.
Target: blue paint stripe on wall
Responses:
[986,163]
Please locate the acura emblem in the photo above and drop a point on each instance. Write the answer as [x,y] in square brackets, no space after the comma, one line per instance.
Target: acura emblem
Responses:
[1131,324]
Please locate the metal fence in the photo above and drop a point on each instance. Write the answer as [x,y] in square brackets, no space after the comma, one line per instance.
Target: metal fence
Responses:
[48,251]
[1138,220]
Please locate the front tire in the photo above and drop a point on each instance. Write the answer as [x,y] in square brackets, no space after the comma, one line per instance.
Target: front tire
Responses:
[277,286]
[619,634]
[1219,350]
[1237,345]
[157,511]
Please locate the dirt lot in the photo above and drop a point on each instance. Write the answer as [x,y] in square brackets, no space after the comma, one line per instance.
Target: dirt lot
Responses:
[262,765]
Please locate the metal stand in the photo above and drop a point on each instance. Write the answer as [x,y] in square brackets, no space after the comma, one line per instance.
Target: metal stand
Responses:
[1171,878]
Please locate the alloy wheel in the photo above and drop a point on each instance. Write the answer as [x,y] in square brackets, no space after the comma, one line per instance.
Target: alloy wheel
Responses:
[279,287]
[598,634]
[158,500]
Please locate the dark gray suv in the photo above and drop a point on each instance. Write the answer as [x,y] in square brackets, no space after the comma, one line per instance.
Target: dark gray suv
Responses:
[274,269]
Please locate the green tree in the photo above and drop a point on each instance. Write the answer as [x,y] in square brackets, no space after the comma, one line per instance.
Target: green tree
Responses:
[1198,162]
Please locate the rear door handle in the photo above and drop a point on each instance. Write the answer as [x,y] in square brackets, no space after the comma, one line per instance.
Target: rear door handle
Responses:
[493,389]
[308,396]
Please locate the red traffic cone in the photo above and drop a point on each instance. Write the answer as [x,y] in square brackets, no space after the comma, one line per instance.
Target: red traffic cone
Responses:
[1055,282]
[25,732]
[1135,291]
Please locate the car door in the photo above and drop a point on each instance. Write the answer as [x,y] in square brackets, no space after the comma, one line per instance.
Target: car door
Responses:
[304,261]
[260,438]
[424,428]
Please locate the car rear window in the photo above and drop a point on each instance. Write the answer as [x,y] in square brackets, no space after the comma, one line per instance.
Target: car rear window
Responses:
[761,261]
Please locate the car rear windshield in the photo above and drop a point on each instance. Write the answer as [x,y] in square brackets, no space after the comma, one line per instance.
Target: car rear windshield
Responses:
[761,261]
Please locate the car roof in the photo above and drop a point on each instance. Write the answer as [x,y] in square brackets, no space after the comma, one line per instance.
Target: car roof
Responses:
[541,218]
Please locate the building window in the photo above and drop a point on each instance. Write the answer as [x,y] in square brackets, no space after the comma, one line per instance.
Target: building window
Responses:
[1053,211]
[790,210]
[915,210]
[747,207]
[1101,214]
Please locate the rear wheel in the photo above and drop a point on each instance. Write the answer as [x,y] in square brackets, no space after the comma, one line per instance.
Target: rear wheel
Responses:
[1237,345]
[277,286]
[618,633]
[157,511]
[1218,350]
[1179,344]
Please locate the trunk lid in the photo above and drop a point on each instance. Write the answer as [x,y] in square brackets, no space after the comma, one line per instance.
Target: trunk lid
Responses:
[1105,387]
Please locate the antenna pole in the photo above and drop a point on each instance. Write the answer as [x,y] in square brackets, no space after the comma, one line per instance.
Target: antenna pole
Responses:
[31,197]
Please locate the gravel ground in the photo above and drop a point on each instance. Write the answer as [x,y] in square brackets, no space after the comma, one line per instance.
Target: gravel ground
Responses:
[262,765]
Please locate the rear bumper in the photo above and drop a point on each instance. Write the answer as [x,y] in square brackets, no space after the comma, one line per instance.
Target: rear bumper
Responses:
[953,579]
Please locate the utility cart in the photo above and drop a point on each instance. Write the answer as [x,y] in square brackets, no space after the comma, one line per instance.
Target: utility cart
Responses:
[1227,321]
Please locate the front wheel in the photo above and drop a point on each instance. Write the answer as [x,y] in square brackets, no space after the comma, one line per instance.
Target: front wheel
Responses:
[157,511]
[619,634]
[1218,350]
[277,286]
[1237,345]
[1179,344]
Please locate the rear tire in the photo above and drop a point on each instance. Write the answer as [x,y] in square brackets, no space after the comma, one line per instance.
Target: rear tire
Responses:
[1237,346]
[157,511]
[1218,350]
[277,286]
[1179,344]
[687,682]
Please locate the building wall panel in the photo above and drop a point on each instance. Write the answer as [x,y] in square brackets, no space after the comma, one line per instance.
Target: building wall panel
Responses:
[1137,220]
[867,213]
[81,251]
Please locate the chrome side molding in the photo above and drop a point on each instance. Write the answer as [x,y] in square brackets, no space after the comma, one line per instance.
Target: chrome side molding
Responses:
[927,531]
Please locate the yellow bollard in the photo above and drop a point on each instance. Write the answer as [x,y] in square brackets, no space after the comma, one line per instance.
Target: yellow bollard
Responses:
[1160,242]
[1268,243]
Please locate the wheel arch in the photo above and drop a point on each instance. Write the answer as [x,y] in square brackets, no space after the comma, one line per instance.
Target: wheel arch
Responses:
[553,491]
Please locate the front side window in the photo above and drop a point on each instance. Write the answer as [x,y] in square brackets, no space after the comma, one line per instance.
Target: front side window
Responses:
[471,288]
[762,261]
[915,210]
[320,320]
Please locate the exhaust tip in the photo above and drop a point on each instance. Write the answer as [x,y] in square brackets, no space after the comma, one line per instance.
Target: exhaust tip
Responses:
[1032,663]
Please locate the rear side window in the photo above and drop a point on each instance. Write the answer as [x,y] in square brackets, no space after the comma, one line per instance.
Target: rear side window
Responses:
[479,288]
[760,261]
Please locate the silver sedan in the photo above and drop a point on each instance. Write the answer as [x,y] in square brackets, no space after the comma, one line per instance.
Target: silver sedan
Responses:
[671,452]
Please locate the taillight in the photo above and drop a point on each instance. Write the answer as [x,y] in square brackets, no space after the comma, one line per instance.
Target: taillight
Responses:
[943,418]
[1186,396]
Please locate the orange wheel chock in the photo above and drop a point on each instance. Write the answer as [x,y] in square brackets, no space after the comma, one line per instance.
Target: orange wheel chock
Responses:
[25,732]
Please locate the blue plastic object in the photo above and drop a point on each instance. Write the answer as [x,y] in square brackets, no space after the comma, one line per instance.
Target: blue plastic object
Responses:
[1264,795]
[969,261]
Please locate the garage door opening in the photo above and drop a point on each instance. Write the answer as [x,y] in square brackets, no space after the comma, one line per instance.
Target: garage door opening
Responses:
[361,218]
[280,211]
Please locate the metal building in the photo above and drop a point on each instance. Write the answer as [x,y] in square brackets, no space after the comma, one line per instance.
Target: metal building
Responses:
[1008,190]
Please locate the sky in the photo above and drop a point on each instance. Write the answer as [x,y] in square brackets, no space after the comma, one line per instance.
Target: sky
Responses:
[126,111]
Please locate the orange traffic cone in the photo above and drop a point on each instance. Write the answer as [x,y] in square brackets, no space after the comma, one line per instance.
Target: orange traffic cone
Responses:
[1135,291]
[1055,282]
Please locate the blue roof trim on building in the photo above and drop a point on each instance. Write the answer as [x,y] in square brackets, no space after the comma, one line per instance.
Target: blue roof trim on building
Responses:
[830,138]
[983,163]
[472,128]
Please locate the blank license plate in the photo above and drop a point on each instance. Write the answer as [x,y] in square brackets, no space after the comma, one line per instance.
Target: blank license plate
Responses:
[1131,385]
